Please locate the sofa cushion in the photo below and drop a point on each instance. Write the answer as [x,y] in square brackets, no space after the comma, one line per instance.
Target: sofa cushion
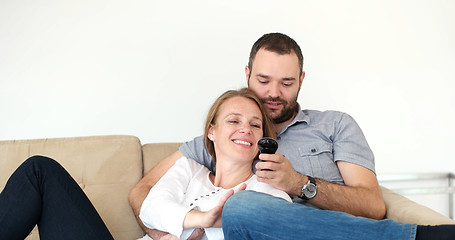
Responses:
[106,168]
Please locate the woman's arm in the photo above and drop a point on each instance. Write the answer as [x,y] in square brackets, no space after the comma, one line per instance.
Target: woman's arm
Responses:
[211,218]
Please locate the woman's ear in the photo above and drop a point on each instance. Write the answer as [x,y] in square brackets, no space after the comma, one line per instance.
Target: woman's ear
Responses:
[210,134]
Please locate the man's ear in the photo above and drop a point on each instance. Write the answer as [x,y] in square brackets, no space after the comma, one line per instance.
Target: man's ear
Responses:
[247,75]
[302,76]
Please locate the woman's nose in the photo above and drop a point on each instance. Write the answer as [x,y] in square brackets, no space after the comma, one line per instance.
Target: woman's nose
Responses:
[245,129]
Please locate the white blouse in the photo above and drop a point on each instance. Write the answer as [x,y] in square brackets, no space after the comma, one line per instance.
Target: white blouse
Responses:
[184,187]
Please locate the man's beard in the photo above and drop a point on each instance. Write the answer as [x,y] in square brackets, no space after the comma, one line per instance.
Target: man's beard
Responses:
[289,108]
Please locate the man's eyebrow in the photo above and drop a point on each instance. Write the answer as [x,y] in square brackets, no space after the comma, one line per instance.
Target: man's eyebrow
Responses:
[262,76]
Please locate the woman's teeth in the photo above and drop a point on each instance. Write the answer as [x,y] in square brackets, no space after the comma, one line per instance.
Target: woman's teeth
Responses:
[242,142]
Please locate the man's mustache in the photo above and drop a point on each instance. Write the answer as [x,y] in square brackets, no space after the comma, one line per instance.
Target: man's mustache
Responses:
[270,99]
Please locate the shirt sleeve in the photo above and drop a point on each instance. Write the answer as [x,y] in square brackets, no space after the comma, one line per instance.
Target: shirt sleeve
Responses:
[197,151]
[269,189]
[163,207]
[350,144]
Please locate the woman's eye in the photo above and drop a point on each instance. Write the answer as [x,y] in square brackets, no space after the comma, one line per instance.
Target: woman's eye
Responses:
[256,125]
[232,121]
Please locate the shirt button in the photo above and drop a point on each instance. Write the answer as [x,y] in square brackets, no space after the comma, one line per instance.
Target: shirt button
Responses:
[278,138]
[313,150]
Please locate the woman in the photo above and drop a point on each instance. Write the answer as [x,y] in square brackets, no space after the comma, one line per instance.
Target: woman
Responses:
[42,192]
[189,196]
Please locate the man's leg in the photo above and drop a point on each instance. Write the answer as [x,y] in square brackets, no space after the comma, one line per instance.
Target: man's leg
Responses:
[254,215]
[41,192]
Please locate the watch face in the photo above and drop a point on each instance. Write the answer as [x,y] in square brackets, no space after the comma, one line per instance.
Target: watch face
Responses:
[310,190]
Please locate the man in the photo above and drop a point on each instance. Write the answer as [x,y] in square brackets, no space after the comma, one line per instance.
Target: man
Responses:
[323,160]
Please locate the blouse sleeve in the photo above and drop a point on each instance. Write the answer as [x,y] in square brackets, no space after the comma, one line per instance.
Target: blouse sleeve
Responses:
[163,207]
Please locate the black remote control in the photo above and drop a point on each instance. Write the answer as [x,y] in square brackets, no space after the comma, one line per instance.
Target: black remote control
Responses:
[267,145]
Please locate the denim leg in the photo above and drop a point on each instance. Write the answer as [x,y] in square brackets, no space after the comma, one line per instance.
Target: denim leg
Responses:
[42,192]
[254,215]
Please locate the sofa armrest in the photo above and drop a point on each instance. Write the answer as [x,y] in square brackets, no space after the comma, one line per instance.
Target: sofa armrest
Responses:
[105,167]
[404,210]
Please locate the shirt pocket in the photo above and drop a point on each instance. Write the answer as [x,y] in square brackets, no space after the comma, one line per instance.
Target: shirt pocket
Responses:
[318,158]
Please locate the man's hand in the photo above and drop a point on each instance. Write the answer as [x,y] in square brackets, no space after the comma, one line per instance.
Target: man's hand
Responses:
[360,196]
[211,218]
[160,235]
[166,236]
[197,234]
[278,172]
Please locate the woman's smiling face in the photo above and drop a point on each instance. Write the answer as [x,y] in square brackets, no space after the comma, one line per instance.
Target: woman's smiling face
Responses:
[237,129]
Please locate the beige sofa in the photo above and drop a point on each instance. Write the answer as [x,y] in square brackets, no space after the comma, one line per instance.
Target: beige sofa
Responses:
[107,167]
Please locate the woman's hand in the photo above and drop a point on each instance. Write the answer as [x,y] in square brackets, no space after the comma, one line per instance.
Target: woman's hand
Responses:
[211,218]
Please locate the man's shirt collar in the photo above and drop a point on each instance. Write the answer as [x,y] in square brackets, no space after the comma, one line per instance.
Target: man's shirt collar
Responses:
[301,117]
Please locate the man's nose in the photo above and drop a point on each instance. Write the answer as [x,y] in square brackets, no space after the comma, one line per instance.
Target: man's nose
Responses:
[274,90]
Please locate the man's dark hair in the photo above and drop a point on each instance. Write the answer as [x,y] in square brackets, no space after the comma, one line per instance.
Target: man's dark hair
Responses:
[278,43]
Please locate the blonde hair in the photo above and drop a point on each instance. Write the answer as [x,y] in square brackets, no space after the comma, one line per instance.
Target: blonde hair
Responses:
[267,126]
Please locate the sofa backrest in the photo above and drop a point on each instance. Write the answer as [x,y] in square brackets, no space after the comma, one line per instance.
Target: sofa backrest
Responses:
[153,153]
[106,168]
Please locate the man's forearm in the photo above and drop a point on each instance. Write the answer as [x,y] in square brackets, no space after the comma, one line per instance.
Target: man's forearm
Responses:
[140,191]
[360,195]
[358,201]
[136,198]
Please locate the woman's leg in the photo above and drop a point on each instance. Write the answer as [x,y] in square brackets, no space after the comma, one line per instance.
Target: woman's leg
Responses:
[41,192]
[254,215]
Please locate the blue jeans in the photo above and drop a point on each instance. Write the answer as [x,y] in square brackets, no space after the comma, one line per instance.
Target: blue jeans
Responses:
[254,215]
[41,192]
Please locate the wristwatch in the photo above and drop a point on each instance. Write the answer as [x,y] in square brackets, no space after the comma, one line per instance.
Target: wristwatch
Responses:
[309,189]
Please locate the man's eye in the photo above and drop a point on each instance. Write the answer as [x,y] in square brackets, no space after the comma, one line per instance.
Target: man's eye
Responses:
[287,84]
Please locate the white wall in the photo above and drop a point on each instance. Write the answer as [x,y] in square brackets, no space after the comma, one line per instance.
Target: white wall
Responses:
[152,68]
